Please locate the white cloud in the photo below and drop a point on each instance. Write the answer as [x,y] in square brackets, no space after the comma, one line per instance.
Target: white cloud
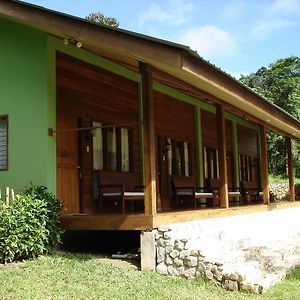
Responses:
[174,13]
[278,16]
[209,41]
[286,7]
[267,27]
[235,9]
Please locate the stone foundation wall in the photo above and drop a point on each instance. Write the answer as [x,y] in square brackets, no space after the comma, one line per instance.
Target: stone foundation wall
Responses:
[246,252]
[279,192]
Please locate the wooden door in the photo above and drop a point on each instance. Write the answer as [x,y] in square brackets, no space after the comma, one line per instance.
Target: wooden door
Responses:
[67,163]
[87,203]
[162,188]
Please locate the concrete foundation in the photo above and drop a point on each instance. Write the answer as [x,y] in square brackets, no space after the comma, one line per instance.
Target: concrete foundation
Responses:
[246,252]
[148,250]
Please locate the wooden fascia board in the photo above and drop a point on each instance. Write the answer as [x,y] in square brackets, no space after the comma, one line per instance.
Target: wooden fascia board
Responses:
[64,26]
[212,81]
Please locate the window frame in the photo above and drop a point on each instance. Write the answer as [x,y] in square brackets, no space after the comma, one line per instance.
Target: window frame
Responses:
[5,118]
[211,163]
[246,163]
[179,144]
[118,141]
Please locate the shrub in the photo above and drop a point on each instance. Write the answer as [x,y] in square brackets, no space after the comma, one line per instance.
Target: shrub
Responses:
[30,226]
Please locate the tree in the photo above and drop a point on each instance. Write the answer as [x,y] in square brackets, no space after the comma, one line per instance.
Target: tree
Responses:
[280,84]
[99,18]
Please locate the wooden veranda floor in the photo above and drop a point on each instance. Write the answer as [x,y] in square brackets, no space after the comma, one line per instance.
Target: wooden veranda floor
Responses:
[143,222]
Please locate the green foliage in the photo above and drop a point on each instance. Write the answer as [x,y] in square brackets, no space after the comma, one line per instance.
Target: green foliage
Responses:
[29,227]
[280,84]
[99,18]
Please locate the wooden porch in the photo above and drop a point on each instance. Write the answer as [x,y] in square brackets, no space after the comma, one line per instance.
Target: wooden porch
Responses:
[105,124]
[144,222]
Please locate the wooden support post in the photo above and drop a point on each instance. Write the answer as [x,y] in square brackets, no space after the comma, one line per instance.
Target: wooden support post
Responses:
[220,118]
[235,156]
[264,165]
[149,140]
[288,144]
[199,147]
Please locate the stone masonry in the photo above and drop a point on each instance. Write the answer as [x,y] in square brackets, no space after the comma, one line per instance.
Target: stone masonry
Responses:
[279,192]
[246,252]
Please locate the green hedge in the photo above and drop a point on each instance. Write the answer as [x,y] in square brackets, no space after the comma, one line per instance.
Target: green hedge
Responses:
[30,225]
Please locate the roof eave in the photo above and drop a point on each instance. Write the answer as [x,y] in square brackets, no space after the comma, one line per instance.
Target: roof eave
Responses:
[178,60]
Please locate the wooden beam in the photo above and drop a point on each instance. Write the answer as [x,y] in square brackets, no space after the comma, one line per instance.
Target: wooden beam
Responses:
[111,39]
[220,119]
[198,214]
[264,165]
[288,143]
[106,222]
[149,140]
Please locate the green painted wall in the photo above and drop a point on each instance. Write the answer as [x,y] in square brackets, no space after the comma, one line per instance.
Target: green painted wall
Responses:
[24,97]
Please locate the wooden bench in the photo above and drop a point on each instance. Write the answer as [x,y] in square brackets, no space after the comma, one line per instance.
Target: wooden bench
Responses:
[297,191]
[233,193]
[184,189]
[249,193]
[118,187]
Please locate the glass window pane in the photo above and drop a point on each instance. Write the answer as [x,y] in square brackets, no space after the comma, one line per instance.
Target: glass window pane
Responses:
[186,159]
[169,156]
[124,150]
[111,148]
[217,175]
[97,147]
[205,163]
[211,161]
[178,162]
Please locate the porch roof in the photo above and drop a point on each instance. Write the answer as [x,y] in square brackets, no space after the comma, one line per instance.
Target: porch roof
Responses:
[174,59]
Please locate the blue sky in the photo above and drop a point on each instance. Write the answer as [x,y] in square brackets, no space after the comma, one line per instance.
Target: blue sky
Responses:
[238,36]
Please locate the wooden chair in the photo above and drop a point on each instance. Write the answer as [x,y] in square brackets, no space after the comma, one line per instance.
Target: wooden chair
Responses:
[250,194]
[116,187]
[233,193]
[184,189]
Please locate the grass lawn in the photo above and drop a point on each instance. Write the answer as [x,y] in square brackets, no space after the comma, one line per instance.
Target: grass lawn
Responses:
[78,276]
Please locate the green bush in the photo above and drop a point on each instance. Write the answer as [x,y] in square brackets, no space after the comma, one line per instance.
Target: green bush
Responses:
[30,225]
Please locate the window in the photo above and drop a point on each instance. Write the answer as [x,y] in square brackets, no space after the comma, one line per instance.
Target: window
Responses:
[178,156]
[3,143]
[246,162]
[111,148]
[211,163]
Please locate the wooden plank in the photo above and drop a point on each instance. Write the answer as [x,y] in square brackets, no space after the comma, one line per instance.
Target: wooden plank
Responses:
[221,137]
[288,143]
[167,110]
[264,165]
[106,222]
[192,215]
[149,140]
[143,222]
[67,163]
[87,202]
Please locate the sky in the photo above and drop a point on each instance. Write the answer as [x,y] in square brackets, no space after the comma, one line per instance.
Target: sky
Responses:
[238,36]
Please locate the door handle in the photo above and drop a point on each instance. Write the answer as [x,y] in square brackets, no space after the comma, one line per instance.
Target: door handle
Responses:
[78,167]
